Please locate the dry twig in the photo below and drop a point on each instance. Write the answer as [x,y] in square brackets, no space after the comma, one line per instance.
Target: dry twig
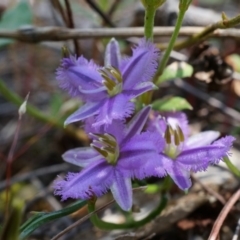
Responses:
[71,25]
[83,219]
[35,173]
[223,214]
[39,34]
[95,7]
[209,190]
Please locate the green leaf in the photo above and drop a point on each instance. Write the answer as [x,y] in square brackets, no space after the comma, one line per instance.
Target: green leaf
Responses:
[176,70]
[56,103]
[171,104]
[232,167]
[10,229]
[41,218]
[14,18]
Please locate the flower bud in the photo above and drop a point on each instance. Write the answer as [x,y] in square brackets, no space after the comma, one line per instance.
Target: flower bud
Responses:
[152,3]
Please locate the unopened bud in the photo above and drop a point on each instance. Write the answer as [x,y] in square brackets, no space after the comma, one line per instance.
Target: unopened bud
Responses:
[23,107]
[153,3]
[65,52]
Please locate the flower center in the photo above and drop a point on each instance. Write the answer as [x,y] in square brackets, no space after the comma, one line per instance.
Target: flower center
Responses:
[174,139]
[107,146]
[112,80]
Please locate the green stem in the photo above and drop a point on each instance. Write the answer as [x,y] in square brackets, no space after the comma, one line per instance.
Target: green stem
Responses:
[31,110]
[149,22]
[232,167]
[133,224]
[183,6]
[224,23]
[148,33]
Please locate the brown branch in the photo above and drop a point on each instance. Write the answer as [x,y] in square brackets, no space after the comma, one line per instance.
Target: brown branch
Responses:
[95,7]
[223,24]
[209,190]
[38,34]
[113,8]
[57,5]
[35,173]
[71,25]
[223,214]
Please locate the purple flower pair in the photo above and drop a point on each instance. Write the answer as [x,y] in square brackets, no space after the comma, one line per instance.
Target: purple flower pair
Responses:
[121,151]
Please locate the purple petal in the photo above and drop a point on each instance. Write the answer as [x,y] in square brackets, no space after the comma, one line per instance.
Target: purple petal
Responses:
[74,73]
[180,176]
[141,66]
[198,159]
[122,191]
[138,153]
[87,110]
[140,89]
[201,139]
[177,119]
[81,156]
[93,180]
[93,95]
[117,107]
[137,123]
[112,54]
[225,144]
[117,129]
[174,119]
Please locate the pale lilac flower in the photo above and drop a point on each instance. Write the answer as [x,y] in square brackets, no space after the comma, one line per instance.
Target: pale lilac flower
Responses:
[116,155]
[182,155]
[107,91]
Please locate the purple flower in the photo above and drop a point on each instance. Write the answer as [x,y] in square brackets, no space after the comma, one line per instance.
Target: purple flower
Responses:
[116,155]
[108,91]
[182,155]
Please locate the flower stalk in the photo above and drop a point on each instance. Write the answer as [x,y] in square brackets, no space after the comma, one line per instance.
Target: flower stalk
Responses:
[183,7]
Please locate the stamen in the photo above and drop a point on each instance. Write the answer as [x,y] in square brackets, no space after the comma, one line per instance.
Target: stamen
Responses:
[168,135]
[107,146]
[171,130]
[99,150]
[180,134]
[115,72]
[112,80]
[176,138]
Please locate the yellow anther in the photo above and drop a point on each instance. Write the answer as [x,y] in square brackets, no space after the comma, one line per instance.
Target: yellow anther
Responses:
[180,134]
[176,138]
[167,135]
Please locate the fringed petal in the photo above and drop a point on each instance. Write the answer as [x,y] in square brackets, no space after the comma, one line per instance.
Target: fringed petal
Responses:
[122,191]
[138,154]
[87,110]
[81,157]
[92,181]
[201,139]
[136,124]
[141,66]
[140,89]
[74,73]
[117,107]
[180,176]
[197,159]
[112,54]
